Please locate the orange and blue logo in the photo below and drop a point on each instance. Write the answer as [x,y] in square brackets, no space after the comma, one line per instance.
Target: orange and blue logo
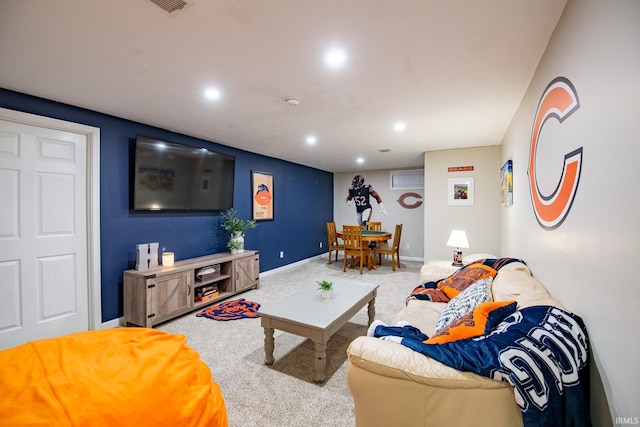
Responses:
[558,101]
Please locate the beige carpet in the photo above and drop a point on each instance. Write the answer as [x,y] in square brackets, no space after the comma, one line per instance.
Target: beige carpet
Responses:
[284,394]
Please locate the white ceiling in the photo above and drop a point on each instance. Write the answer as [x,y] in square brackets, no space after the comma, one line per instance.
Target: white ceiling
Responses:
[454,71]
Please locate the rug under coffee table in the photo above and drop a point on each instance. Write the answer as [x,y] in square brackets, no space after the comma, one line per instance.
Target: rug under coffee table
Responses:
[307,314]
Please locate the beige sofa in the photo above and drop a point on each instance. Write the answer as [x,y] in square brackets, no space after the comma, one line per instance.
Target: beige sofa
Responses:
[393,385]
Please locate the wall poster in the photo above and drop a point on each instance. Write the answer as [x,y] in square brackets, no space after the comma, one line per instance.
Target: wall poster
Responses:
[262,193]
[506,183]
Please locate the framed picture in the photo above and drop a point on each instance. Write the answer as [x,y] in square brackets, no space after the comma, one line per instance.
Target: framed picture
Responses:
[262,196]
[506,183]
[460,191]
[205,183]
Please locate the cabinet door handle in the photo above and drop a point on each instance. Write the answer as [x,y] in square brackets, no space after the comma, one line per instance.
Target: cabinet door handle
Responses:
[188,289]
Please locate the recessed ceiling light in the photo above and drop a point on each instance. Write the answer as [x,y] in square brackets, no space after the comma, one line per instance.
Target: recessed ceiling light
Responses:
[399,127]
[335,57]
[292,100]
[311,139]
[360,160]
[212,93]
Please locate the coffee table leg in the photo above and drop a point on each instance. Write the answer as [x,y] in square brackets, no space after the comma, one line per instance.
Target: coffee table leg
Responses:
[268,346]
[372,310]
[321,361]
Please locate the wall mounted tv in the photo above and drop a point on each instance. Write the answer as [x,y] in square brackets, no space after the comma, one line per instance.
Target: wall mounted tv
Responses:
[173,177]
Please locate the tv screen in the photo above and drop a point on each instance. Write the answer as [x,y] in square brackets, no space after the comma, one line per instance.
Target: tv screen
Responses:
[176,177]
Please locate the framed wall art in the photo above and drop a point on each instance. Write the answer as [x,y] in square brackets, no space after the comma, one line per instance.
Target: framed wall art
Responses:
[506,183]
[262,196]
[460,191]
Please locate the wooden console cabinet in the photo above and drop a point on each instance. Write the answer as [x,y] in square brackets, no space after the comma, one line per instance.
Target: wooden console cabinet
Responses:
[160,294]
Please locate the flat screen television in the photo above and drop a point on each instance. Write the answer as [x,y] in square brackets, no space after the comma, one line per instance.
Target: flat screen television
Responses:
[174,177]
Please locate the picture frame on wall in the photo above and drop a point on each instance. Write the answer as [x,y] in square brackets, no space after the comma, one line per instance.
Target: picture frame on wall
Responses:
[506,183]
[262,196]
[460,191]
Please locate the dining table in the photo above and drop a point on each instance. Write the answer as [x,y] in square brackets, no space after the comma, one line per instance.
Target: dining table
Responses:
[372,238]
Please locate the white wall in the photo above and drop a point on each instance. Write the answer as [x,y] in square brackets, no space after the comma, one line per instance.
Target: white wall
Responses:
[481,221]
[588,261]
[411,219]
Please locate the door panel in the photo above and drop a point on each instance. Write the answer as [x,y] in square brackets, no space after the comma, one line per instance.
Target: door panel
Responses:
[43,233]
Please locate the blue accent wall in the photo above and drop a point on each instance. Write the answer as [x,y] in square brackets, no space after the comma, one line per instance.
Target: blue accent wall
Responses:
[303,202]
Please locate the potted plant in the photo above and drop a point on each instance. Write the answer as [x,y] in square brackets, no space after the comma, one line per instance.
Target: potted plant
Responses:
[326,287]
[233,245]
[232,222]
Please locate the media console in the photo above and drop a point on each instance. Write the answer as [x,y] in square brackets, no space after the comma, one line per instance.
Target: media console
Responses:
[159,294]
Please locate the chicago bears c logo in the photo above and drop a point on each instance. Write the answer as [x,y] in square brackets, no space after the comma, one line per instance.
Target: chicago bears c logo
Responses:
[559,101]
[416,203]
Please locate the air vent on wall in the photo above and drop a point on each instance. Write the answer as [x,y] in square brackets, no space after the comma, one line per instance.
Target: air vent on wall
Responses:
[170,5]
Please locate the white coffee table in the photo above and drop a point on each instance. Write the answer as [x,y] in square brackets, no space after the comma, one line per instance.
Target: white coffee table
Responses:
[305,313]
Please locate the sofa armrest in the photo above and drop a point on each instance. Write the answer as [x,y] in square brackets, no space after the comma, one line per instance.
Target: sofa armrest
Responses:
[394,360]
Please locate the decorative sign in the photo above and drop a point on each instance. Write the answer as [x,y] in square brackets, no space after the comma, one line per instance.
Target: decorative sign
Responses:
[558,101]
[146,256]
[460,168]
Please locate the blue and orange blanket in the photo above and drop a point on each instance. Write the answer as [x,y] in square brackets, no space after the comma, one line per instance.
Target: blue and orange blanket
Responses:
[542,351]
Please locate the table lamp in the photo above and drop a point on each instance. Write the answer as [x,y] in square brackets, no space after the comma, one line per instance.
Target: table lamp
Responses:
[458,239]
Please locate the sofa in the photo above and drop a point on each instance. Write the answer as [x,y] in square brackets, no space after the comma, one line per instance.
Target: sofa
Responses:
[394,382]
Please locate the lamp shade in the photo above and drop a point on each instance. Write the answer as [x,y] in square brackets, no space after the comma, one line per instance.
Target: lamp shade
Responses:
[458,239]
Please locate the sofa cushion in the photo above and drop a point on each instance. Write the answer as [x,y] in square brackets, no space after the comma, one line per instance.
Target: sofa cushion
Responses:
[465,277]
[465,302]
[473,258]
[480,321]
[421,314]
[434,271]
[515,282]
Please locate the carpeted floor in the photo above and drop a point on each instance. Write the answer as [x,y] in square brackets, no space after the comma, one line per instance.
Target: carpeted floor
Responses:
[284,394]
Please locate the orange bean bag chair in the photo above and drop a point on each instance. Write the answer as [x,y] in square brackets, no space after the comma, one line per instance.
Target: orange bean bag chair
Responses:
[110,377]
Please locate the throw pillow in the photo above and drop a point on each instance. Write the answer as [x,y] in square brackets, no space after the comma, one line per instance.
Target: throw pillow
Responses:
[465,277]
[465,302]
[479,322]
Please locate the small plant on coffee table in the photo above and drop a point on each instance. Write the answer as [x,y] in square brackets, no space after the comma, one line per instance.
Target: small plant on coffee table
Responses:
[326,287]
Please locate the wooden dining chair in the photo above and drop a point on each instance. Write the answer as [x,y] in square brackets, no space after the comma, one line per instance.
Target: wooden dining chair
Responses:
[332,238]
[393,250]
[353,245]
[374,225]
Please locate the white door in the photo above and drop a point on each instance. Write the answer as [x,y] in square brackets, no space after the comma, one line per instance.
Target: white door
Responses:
[43,233]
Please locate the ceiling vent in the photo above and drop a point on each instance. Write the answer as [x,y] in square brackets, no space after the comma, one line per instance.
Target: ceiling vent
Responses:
[170,5]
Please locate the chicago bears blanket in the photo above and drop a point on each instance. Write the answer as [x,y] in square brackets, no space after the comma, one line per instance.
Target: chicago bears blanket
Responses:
[542,351]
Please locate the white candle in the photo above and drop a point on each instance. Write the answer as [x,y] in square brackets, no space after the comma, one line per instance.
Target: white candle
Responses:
[167,259]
